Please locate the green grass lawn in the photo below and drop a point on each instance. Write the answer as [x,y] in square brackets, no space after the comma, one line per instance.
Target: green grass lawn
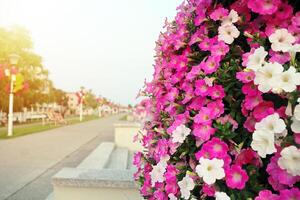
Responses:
[27,129]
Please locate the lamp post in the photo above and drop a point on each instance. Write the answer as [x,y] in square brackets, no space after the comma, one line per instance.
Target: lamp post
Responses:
[13,59]
[81,96]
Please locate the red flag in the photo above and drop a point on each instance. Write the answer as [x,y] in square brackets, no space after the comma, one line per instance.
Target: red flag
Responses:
[1,72]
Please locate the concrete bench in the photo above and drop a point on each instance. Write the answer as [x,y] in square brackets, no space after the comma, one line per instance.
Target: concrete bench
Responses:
[107,173]
[99,157]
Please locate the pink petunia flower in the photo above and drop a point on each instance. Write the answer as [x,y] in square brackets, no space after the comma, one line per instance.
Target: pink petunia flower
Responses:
[279,57]
[250,124]
[203,132]
[204,116]
[171,180]
[137,159]
[297,138]
[245,76]
[264,7]
[252,101]
[209,190]
[284,11]
[292,194]
[219,49]
[296,20]
[236,177]
[216,147]
[216,92]
[266,195]
[197,103]
[205,44]
[219,14]
[216,107]
[201,88]
[248,156]
[250,89]
[195,71]
[280,176]
[200,17]
[211,64]
[263,110]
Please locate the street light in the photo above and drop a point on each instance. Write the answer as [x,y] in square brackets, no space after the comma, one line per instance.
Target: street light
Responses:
[81,96]
[13,59]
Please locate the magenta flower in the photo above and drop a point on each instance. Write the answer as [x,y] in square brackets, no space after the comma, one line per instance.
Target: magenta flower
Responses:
[292,194]
[211,64]
[247,156]
[245,77]
[205,44]
[190,88]
[216,92]
[280,176]
[252,101]
[219,49]
[216,147]
[264,7]
[279,57]
[266,195]
[201,88]
[209,190]
[217,108]
[263,110]
[236,177]
[171,180]
[219,14]
[137,159]
[250,124]
[296,20]
[284,11]
[250,89]
[204,116]
[203,132]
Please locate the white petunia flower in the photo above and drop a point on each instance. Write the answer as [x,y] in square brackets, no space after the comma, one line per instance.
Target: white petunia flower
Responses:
[172,197]
[228,33]
[297,112]
[281,40]
[257,59]
[295,125]
[263,142]
[232,18]
[293,50]
[210,170]
[266,77]
[158,171]
[290,160]
[186,185]
[271,123]
[289,80]
[221,196]
[180,133]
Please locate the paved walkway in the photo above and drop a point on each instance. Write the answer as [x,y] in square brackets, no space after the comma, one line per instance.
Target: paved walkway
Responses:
[27,163]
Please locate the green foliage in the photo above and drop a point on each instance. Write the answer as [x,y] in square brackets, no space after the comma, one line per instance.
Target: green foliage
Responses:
[17,40]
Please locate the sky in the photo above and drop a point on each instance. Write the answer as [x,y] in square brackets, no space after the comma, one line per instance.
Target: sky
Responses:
[103,45]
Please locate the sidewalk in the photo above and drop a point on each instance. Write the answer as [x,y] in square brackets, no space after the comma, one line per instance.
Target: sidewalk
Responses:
[25,159]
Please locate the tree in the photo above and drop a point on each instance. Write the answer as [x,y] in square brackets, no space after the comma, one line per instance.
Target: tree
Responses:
[17,40]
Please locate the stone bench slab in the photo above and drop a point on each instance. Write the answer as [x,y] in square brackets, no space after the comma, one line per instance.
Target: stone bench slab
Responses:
[99,157]
[91,178]
[118,159]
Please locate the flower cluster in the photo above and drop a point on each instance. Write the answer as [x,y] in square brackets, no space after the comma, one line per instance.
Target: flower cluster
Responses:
[224,104]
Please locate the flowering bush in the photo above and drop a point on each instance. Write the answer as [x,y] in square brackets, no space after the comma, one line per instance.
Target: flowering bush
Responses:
[225,106]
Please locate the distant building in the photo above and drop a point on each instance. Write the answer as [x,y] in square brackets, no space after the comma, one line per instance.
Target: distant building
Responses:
[72,101]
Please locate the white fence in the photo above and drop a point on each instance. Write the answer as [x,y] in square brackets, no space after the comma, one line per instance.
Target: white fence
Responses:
[22,117]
